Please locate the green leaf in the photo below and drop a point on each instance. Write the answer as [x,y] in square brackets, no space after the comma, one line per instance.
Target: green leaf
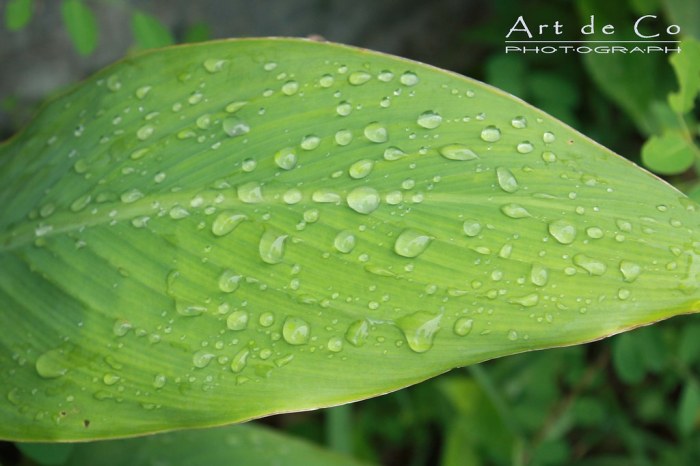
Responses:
[687,67]
[18,13]
[81,25]
[149,32]
[243,444]
[47,454]
[669,154]
[689,408]
[198,32]
[211,233]
[627,359]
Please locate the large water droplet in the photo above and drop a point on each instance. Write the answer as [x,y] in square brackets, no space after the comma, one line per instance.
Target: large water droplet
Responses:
[271,247]
[226,222]
[344,241]
[229,281]
[344,108]
[463,326]
[234,127]
[202,358]
[52,364]
[237,320]
[286,158]
[409,79]
[539,275]
[325,196]
[589,264]
[290,88]
[471,227]
[357,78]
[519,122]
[429,120]
[250,193]
[363,200]
[562,231]
[357,332]
[393,153]
[343,137]
[458,152]
[524,147]
[411,243]
[490,134]
[419,329]
[310,142]
[506,180]
[630,270]
[295,331]
[515,211]
[361,168]
[376,132]
[292,196]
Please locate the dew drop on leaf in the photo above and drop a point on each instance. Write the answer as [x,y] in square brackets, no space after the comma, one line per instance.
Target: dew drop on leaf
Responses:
[239,360]
[630,270]
[343,137]
[411,243]
[344,241]
[409,79]
[519,122]
[51,364]
[357,332]
[361,168]
[296,331]
[376,132]
[419,329]
[335,344]
[237,320]
[589,264]
[524,147]
[429,120]
[490,134]
[226,222]
[506,180]
[463,326]
[363,200]
[563,231]
[271,247]
[458,152]
[471,227]
[229,281]
[515,211]
[310,142]
[286,158]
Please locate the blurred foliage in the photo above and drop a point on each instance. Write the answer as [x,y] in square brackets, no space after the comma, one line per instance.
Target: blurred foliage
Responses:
[631,400]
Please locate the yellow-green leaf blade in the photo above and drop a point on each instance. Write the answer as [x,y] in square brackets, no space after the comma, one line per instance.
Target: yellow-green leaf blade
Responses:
[217,232]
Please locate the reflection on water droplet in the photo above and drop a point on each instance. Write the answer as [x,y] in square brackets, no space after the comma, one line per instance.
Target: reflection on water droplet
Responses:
[429,120]
[376,132]
[344,241]
[458,152]
[463,326]
[229,281]
[590,265]
[226,222]
[562,231]
[363,200]
[295,331]
[271,247]
[411,243]
[630,270]
[515,211]
[506,180]
[51,364]
[357,332]
[490,134]
[361,168]
[286,158]
[409,79]
[237,320]
[471,227]
[419,329]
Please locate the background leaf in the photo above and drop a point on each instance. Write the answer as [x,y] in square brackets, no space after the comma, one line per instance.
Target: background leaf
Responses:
[687,68]
[18,13]
[669,154]
[81,25]
[211,233]
[149,32]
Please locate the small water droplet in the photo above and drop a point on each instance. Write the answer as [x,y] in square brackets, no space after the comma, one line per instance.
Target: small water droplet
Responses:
[271,247]
[344,108]
[419,329]
[80,203]
[296,331]
[110,378]
[361,168]
[266,319]
[363,200]
[204,121]
[506,180]
[357,332]
[515,211]
[429,120]
[121,327]
[189,310]
[325,196]
[512,335]
[357,78]
[214,65]
[239,360]
[233,107]
[286,158]
[549,157]
[519,122]
[393,197]
[229,281]
[590,265]
[145,132]
[113,83]
[548,137]
[131,195]
[51,364]
[292,196]
[159,381]
[344,241]
[234,127]
[409,79]
[630,270]
[471,227]
[250,193]
[458,152]
[490,134]
[142,92]
[524,147]
[376,132]
[343,137]
[237,320]
[562,231]
[310,142]
[393,153]
[202,358]
[463,326]
[290,88]
[539,275]
[226,222]
[335,344]
[594,232]
[326,80]
[411,243]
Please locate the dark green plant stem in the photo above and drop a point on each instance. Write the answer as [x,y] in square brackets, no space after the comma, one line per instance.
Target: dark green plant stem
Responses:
[339,428]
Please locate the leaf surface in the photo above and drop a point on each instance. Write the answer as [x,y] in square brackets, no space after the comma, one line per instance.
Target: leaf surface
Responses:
[211,233]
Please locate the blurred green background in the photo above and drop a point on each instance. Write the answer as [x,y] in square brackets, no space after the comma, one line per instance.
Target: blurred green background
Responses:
[630,400]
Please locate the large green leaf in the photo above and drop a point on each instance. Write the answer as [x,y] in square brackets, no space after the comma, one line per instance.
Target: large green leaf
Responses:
[212,233]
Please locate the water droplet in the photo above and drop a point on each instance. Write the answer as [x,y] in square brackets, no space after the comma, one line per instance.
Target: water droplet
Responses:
[490,134]
[344,241]
[548,137]
[269,66]
[292,196]
[250,193]
[409,79]
[361,168]
[471,227]
[393,153]
[357,332]
[202,358]
[51,364]
[527,301]
[344,108]
[358,78]
[237,320]
[562,231]
[159,381]
[178,212]
[214,65]
[458,152]
[131,195]
[310,142]
[519,122]
[630,270]
[411,243]
[343,137]
[110,379]
[463,326]
[326,80]
[271,247]
[266,319]
[376,132]
[239,360]
[229,281]
[590,265]
[121,327]
[286,158]
[506,180]
[515,211]
[512,335]
[113,83]
[363,200]
[295,331]
[623,293]
[419,329]
[393,197]
[290,88]
[311,215]
[549,157]
[335,344]
[142,92]
[429,120]
[539,275]
[594,232]
[80,203]
[524,147]
[325,196]
[233,107]
[189,310]
[235,127]
[145,132]
[204,121]
[226,222]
